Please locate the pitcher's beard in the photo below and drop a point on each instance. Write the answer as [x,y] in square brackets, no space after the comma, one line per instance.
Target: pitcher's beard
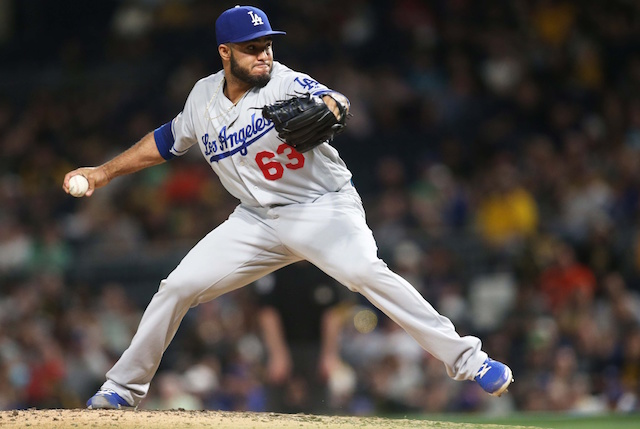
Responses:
[239,73]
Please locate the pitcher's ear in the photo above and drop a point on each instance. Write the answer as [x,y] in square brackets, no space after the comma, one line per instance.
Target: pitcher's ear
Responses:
[224,51]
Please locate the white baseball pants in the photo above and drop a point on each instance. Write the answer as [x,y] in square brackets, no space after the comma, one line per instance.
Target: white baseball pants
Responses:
[331,233]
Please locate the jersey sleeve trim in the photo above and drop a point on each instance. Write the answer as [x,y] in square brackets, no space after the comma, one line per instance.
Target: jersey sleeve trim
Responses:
[164,140]
[321,92]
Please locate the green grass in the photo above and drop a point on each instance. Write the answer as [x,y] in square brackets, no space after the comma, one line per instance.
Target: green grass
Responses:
[546,420]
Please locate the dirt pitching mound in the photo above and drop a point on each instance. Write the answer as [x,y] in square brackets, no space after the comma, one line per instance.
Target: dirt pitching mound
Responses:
[173,419]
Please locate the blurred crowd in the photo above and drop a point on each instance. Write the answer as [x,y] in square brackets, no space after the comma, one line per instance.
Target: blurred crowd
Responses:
[496,146]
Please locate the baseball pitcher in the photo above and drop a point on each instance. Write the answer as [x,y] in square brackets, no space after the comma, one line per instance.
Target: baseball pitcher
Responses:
[266,130]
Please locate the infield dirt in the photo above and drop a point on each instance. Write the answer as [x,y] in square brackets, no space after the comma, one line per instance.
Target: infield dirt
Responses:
[173,419]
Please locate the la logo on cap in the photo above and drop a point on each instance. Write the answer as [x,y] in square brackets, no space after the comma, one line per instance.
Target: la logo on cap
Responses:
[255,19]
[232,26]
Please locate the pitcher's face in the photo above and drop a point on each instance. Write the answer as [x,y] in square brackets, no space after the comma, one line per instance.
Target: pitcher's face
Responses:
[252,61]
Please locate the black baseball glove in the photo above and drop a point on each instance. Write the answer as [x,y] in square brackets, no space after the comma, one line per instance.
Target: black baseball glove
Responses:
[305,121]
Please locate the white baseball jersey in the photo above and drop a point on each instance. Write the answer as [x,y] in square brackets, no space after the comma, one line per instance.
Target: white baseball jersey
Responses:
[243,148]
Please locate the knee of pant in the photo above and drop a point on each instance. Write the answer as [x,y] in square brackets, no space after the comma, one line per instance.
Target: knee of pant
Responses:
[363,273]
[183,290]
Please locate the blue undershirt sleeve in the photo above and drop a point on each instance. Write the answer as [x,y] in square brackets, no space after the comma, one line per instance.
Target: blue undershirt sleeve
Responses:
[164,140]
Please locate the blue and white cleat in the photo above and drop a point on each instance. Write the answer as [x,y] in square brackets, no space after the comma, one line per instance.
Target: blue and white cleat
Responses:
[494,377]
[107,399]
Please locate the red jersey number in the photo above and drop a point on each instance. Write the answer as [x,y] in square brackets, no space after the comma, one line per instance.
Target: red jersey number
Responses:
[274,170]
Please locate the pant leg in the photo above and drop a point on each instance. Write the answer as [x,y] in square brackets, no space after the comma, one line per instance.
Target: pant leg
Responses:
[236,253]
[332,234]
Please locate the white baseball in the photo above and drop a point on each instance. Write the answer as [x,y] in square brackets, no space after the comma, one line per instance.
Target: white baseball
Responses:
[78,185]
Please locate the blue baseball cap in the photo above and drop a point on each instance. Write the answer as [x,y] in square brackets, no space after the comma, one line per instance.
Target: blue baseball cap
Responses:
[242,23]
